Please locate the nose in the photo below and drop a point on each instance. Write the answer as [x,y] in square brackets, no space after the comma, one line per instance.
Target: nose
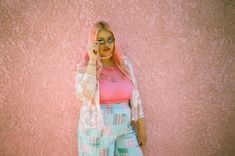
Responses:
[106,44]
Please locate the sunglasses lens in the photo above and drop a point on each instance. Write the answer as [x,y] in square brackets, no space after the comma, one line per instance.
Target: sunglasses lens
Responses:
[101,42]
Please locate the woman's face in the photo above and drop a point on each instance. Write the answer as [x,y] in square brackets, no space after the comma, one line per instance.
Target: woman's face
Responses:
[106,42]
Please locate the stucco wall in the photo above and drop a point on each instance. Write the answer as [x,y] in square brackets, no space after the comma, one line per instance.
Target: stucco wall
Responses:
[182,52]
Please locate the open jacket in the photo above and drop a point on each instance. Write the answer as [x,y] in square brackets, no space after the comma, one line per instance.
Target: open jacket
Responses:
[87,90]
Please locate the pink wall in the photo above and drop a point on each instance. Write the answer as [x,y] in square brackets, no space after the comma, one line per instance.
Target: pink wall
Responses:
[182,53]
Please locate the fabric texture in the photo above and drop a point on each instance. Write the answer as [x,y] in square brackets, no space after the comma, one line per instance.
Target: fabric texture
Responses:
[118,138]
[113,88]
[87,90]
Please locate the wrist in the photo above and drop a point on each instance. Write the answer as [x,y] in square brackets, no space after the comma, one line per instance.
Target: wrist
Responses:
[93,61]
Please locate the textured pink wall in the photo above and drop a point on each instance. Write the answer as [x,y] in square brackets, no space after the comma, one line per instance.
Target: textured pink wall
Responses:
[182,52]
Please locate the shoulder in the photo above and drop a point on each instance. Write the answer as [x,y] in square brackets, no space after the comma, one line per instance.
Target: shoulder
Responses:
[126,60]
[128,63]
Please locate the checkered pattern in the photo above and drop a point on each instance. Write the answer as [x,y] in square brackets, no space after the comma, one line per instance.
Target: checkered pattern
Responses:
[117,138]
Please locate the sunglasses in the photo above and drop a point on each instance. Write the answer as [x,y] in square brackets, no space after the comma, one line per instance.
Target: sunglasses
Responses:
[102,42]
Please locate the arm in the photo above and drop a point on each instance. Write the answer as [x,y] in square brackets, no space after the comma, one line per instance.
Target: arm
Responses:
[140,120]
[140,127]
[136,93]
[85,81]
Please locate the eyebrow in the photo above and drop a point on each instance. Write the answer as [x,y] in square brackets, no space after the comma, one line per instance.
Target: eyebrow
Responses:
[103,38]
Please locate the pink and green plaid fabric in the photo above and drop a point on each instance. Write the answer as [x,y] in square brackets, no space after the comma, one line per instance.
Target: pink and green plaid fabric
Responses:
[117,138]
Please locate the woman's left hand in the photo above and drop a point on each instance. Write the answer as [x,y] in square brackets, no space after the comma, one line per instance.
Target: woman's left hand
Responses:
[141,132]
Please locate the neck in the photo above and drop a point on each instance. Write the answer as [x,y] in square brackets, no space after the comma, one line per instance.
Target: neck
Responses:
[108,62]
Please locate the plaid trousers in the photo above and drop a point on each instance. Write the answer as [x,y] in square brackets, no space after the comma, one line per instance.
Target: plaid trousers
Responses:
[117,138]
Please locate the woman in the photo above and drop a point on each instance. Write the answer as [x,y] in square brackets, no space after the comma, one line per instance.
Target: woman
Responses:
[111,116]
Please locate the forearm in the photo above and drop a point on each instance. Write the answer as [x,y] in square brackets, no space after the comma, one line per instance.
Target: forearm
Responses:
[86,82]
[141,123]
[91,68]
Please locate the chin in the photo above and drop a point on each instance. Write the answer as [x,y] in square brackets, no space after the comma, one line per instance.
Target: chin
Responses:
[106,53]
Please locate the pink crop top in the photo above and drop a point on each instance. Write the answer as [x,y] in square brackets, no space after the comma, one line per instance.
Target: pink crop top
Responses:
[114,89]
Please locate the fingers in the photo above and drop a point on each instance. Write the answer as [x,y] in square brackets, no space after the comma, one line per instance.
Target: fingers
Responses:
[95,51]
[96,43]
[95,46]
[141,140]
[141,143]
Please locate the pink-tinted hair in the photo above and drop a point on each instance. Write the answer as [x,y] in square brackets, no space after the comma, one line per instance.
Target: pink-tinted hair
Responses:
[117,56]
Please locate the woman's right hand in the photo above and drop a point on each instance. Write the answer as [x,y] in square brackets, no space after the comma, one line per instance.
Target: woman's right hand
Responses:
[93,51]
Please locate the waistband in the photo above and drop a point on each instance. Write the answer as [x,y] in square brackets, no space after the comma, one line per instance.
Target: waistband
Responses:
[116,103]
[120,103]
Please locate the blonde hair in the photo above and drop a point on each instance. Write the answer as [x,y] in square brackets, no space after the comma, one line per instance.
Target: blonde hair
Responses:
[117,56]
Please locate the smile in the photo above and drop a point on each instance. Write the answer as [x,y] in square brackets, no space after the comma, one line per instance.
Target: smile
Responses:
[106,49]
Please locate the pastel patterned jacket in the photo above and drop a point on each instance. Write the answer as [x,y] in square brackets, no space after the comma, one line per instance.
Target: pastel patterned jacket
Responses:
[87,90]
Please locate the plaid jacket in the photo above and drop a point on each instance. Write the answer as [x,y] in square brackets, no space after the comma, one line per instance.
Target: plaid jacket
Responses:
[87,90]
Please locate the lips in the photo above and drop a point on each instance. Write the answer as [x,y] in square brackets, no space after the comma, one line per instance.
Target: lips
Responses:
[106,49]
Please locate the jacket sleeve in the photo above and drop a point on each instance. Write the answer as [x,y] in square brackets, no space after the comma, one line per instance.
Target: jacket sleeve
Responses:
[85,84]
[136,92]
